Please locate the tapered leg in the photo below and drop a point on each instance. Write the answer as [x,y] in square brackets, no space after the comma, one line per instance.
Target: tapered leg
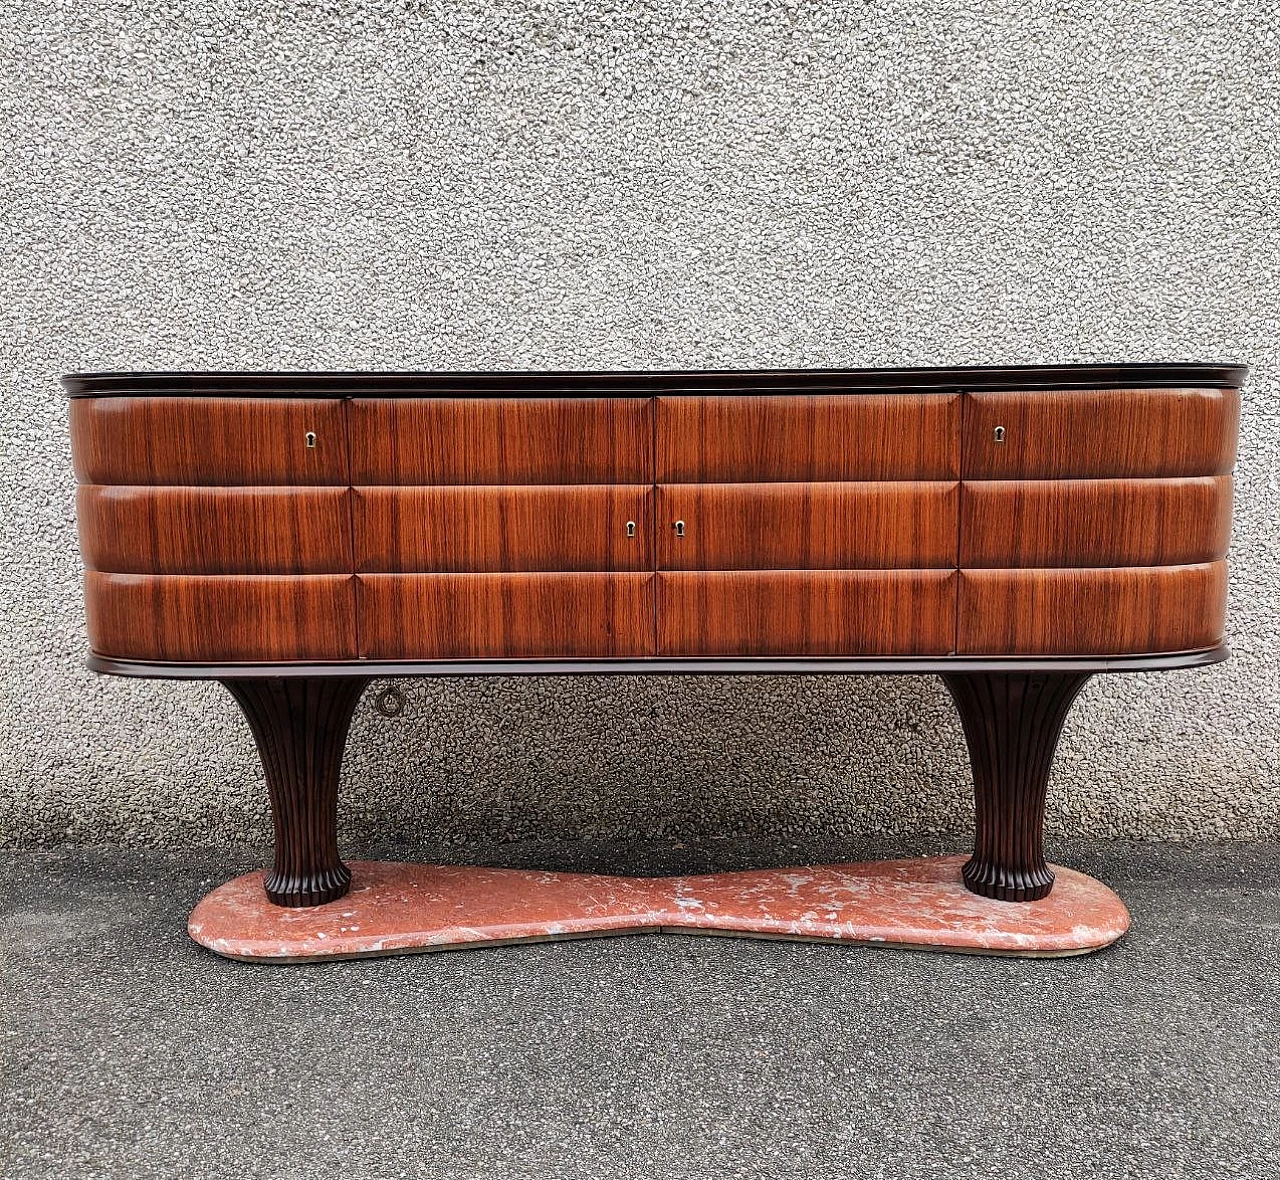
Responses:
[300,726]
[1011,723]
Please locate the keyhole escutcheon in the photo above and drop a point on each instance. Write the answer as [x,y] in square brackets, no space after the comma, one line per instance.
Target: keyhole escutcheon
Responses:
[311,439]
[999,433]
[679,527]
[631,528]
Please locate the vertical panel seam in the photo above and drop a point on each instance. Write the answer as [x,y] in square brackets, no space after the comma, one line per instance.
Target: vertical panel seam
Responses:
[351,530]
[955,639]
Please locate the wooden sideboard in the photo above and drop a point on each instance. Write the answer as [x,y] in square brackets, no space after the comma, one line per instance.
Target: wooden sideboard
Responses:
[1013,529]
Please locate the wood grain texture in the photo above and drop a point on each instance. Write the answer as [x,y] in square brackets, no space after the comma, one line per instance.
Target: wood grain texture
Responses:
[1011,725]
[789,526]
[502,440]
[208,440]
[300,728]
[1101,434]
[138,530]
[212,619]
[1092,612]
[830,613]
[802,437]
[489,616]
[503,529]
[1105,522]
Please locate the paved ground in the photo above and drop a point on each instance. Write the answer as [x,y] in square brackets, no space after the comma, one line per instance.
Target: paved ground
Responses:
[129,1052]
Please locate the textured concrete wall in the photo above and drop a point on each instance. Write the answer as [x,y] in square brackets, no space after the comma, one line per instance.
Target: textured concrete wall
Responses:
[415,185]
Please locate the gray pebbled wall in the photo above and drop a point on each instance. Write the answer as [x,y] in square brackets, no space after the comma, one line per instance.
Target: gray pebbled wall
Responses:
[526,185]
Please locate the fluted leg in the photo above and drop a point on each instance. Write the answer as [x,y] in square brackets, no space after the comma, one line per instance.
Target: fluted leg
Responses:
[1011,724]
[300,726]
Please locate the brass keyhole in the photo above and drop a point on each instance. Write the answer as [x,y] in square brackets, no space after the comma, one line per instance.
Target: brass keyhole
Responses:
[311,438]
[631,528]
[999,433]
[679,527]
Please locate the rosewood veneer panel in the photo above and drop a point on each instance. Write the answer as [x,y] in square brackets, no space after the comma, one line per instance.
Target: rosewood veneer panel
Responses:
[804,437]
[484,616]
[1101,434]
[502,440]
[208,440]
[1112,522]
[783,613]
[1083,612]
[238,619]
[496,529]
[140,530]
[788,526]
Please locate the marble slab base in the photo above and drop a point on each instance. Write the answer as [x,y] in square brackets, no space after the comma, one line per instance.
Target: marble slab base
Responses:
[401,908]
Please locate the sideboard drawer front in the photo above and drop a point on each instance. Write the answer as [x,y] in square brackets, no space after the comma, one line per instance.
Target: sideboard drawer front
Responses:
[1101,434]
[801,437]
[837,613]
[501,440]
[513,616]
[208,440]
[217,619]
[144,530]
[511,529]
[789,526]
[1060,612]
[1103,522]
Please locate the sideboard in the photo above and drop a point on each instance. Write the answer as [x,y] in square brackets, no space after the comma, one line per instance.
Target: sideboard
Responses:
[1014,530]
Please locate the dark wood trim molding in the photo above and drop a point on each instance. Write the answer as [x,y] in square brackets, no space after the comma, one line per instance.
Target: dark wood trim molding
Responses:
[739,381]
[1011,724]
[300,727]
[758,666]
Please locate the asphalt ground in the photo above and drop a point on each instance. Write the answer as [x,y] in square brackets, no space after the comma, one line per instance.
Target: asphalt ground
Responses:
[127,1051]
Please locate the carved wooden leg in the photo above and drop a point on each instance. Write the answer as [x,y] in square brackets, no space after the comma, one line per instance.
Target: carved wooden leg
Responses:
[1011,723]
[300,726]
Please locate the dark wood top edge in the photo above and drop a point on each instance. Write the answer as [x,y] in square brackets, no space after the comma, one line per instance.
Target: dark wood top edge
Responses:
[907,665]
[393,384]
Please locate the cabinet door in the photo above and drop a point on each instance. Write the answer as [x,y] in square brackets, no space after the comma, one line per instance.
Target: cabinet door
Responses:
[831,613]
[1095,522]
[232,619]
[503,529]
[505,616]
[145,530]
[1100,433]
[209,440]
[1087,612]
[808,437]
[788,526]
[542,440]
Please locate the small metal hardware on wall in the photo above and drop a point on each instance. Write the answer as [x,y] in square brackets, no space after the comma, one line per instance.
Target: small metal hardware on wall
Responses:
[389,702]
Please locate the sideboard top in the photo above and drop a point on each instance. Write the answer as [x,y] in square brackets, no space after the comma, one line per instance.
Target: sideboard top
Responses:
[479,384]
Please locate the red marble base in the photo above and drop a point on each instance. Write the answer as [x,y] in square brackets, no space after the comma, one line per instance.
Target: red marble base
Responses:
[401,908]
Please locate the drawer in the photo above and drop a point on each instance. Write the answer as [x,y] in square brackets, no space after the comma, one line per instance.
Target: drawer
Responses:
[142,530]
[786,526]
[1100,433]
[836,613]
[1102,522]
[501,440]
[221,619]
[1057,612]
[208,440]
[799,438]
[497,616]
[495,530]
